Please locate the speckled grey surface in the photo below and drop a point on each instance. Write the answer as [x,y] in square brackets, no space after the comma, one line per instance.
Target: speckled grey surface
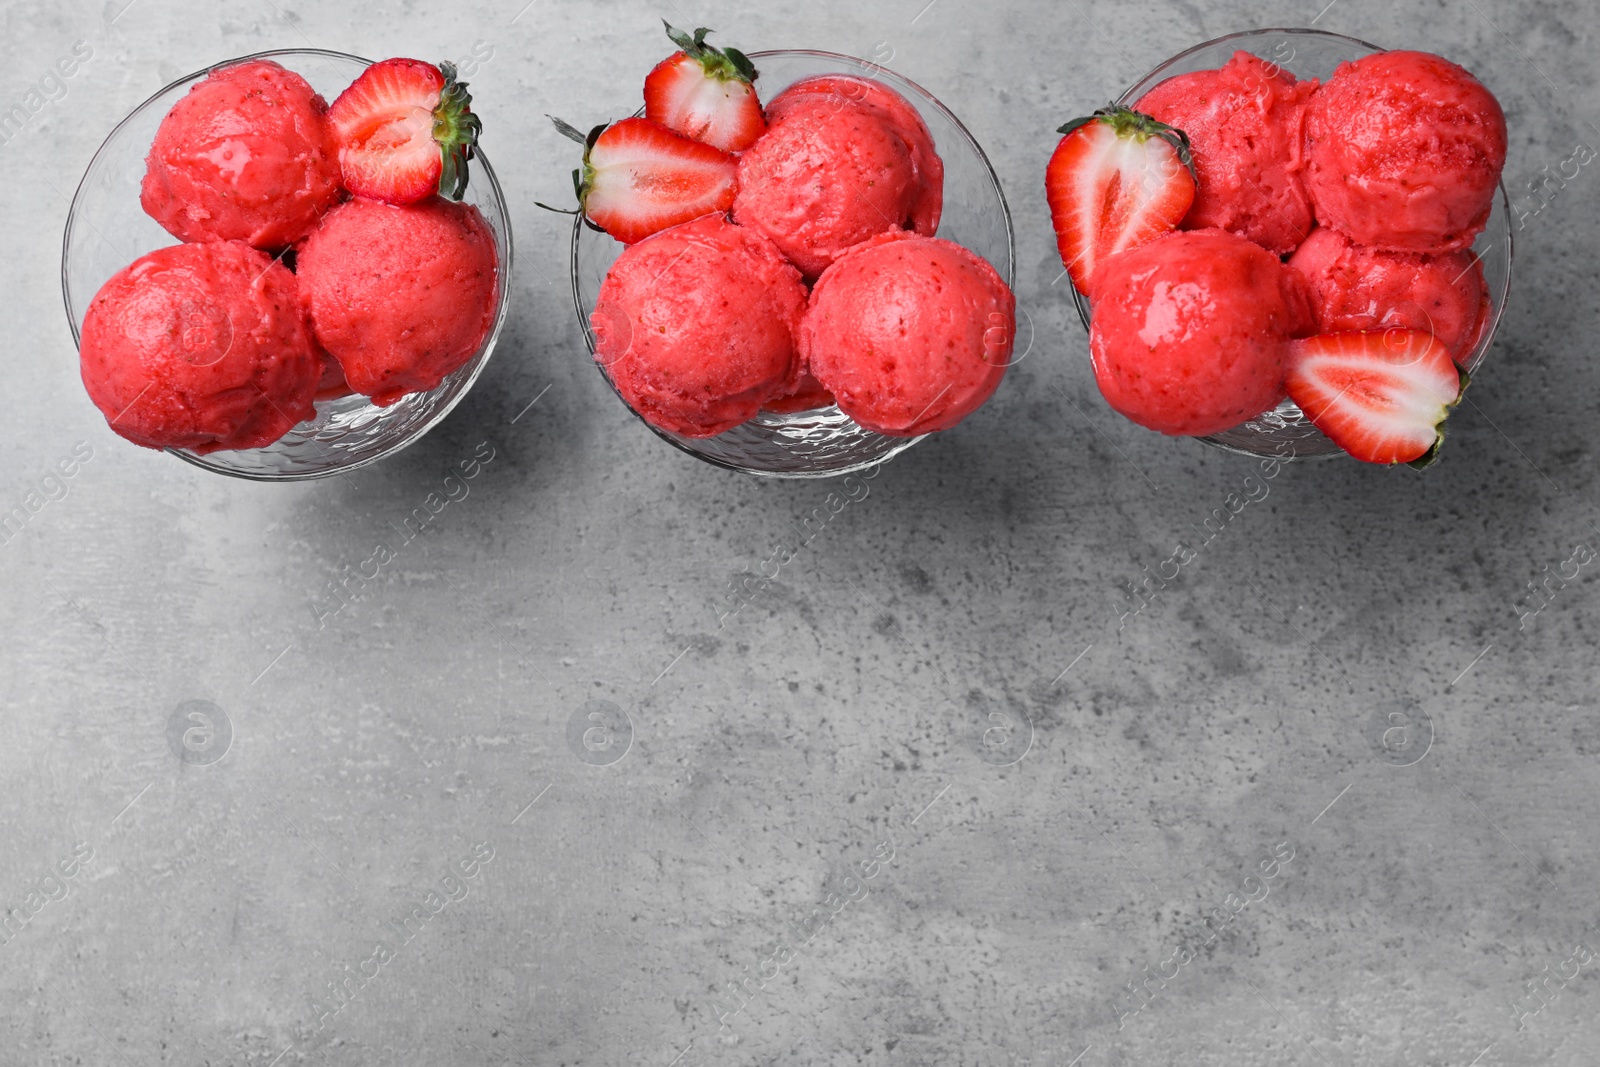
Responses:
[1269,713]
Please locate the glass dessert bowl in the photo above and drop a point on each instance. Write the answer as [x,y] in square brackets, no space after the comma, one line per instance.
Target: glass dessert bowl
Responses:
[825,442]
[107,229]
[1285,432]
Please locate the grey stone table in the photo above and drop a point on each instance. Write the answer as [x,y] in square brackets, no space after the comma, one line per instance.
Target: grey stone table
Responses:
[927,799]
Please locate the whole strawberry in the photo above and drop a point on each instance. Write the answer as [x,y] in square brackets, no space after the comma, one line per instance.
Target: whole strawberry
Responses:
[705,93]
[405,131]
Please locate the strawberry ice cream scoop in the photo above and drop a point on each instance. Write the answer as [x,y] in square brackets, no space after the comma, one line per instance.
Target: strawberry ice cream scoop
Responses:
[1358,288]
[245,155]
[1405,152]
[911,334]
[1188,332]
[401,296]
[1246,128]
[928,203]
[696,326]
[200,346]
[827,175]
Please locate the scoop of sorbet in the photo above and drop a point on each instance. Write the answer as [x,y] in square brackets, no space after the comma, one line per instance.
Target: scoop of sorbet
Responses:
[1246,125]
[200,346]
[911,334]
[401,296]
[928,203]
[696,326]
[245,155]
[1405,152]
[828,174]
[1358,288]
[1189,331]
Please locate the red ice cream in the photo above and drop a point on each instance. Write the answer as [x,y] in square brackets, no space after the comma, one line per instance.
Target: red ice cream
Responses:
[928,204]
[200,346]
[1188,334]
[1246,125]
[1357,288]
[245,155]
[696,326]
[401,296]
[808,395]
[910,333]
[1405,152]
[332,384]
[827,175]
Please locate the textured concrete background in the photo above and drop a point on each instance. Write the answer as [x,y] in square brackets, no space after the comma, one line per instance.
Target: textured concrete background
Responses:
[1349,690]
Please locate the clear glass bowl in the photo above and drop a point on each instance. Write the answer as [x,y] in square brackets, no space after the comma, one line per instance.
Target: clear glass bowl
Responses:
[107,230]
[825,442]
[1285,432]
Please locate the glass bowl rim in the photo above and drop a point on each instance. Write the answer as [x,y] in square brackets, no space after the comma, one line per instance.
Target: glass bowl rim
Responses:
[1497,307]
[486,350]
[1009,274]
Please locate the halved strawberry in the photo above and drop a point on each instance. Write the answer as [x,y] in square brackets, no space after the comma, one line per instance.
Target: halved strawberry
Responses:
[639,178]
[705,93]
[1117,180]
[405,131]
[1381,395]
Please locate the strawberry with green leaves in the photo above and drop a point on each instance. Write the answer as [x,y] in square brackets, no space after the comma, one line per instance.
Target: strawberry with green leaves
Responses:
[405,131]
[1381,395]
[639,178]
[705,93]
[1117,180]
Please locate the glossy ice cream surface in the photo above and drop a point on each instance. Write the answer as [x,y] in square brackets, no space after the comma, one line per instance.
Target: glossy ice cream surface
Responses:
[910,333]
[245,155]
[1188,332]
[696,326]
[200,346]
[400,296]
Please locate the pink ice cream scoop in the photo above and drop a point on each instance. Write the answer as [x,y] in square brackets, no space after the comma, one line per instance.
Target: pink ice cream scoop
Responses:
[911,334]
[245,155]
[696,326]
[1358,288]
[928,204]
[1246,125]
[1189,332]
[401,296]
[1405,152]
[826,175]
[200,346]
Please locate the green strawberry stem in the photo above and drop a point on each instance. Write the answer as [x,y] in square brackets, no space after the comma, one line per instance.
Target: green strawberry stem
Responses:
[724,64]
[1127,122]
[1426,460]
[580,176]
[456,129]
